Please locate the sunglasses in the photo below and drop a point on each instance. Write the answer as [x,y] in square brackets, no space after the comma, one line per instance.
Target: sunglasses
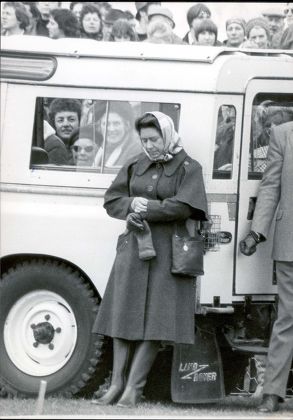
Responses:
[286,11]
[88,149]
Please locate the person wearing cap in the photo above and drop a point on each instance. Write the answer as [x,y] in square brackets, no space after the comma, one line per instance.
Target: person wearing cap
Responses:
[195,15]
[161,21]
[142,17]
[276,21]
[108,22]
[257,32]
[235,30]
[206,33]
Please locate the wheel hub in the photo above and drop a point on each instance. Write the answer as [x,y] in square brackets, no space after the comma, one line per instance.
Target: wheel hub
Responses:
[43,332]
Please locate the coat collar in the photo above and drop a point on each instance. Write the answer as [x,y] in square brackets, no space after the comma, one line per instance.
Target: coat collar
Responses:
[169,167]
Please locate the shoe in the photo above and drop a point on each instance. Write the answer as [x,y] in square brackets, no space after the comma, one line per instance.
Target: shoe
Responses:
[269,404]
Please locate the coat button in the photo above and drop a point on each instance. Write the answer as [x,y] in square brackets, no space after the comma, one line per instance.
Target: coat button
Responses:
[155,176]
[150,188]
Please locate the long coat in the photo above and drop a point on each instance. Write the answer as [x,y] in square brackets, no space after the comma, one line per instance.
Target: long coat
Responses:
[143,300]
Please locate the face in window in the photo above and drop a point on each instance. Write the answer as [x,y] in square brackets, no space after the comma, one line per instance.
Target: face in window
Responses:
[91,23]
[258,36]
[152,142]
[83,152]
[8,18]
[66,122]
[206,38]
[54,31]
[235,34]
[117,128]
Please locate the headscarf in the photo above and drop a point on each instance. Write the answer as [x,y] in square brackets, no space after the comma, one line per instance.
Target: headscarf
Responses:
[172,141]
[261,22]
[237,20]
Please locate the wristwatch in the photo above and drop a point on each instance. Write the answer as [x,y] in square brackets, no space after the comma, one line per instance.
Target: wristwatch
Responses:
[258,237]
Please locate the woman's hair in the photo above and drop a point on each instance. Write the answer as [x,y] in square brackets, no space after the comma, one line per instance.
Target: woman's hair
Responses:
[206,25]
[121,29]
[20,13]
[123,109]
[85,132]
[146,121]
[67,22]
[33,9]
[91,8]
[60,105]
[195,10]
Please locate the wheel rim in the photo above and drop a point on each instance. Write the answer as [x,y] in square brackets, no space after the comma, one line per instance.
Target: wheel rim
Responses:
[40,333]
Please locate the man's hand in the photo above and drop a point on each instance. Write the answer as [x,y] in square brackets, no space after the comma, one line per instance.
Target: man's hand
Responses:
[248,245]
[139,204]
[134,222]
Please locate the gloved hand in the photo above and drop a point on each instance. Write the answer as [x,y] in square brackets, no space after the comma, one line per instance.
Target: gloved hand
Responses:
[134,222]
[248,245]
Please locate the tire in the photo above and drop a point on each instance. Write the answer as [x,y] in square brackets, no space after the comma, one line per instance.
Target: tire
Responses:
[46,316]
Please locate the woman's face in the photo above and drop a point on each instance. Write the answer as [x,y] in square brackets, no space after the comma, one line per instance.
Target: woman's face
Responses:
[8,18]
[206,38]
[152,142]
[84,152]
[235,34]
[259,37]
[116,128]
[54,31]
[91,23]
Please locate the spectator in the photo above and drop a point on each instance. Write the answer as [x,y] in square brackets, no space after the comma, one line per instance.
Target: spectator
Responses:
[286,42]
[34,16]
[63,24]
[235,30]
[112,16]
[122,31]
[142,17]
[161,21]
[257,33]
[206,33]
[75,7]
[14,19]
[195,15]
[64,117]
[44,8]
[276,21]
[131,19]
[288,12]
[83,148]
[91,22]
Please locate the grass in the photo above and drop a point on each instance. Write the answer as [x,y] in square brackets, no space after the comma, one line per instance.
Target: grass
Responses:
[231,407]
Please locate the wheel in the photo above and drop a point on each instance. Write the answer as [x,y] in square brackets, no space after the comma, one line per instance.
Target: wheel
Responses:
[46,316]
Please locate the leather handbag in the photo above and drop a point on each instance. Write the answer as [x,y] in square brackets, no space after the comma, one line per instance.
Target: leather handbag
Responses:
[187,254]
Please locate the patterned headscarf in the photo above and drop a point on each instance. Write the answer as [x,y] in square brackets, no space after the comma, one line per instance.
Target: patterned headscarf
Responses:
[172,141]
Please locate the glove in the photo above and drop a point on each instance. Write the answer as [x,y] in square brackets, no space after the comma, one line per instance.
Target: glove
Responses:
[248,245]
[134,222]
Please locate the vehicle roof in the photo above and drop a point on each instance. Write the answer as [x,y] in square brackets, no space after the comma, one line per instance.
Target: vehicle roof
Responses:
[218,69]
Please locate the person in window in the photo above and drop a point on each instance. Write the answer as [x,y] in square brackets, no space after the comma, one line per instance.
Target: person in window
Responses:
[235,30]
[45,7]
[63,24]
[276,21]
[116,127]
[83,148]
[195,15]
[257,33]
[64,117]
[206,33]
[54,146]
[91,22]
[122,31]
[14,18]
[144,303]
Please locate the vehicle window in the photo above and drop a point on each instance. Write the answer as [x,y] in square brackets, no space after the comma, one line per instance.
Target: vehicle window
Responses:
[89,135]
[223,155]
[268,110]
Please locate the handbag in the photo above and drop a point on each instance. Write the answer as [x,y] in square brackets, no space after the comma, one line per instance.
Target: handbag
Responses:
[187,254]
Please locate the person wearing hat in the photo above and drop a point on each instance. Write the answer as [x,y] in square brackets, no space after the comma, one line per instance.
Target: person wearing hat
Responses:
[276,22]
[161,21]
[108,22]
[142,17]
[257,32]
[195,15]
[235,30]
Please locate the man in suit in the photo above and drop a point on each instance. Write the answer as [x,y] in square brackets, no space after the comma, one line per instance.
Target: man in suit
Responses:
[276,190]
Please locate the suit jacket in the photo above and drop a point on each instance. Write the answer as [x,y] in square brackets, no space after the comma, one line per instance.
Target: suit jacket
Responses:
[276,190]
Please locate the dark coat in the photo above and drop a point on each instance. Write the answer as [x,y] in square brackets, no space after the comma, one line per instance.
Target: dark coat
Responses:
[143,300]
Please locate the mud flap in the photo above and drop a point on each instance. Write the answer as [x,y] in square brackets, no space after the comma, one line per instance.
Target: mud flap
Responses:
[197,372]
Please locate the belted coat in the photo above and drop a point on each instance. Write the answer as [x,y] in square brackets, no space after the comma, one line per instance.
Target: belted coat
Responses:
[143,300]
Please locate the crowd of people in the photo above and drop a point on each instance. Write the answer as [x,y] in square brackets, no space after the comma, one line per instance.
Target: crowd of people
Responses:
[153,22]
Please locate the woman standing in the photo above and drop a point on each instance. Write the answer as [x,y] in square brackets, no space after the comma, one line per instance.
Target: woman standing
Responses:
[144,303]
